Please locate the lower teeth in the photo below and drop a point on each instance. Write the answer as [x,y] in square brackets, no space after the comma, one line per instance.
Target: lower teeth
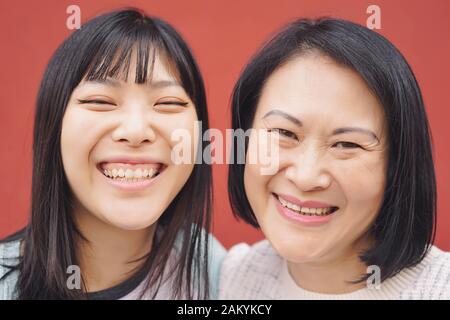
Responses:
[309,214]
[121,179]
[130,180]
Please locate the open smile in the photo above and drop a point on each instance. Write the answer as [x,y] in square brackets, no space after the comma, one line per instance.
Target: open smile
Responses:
[307,213]
[131,175]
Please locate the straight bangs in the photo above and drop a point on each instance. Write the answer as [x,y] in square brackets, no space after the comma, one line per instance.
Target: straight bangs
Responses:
[117,50]
[145,41]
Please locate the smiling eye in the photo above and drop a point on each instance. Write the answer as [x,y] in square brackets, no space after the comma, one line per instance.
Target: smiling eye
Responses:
[95,101]
[170,105]
[284,133]
[177,103]
[346,145]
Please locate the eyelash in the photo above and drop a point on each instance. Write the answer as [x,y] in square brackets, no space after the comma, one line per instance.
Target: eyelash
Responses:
[352,145]
[284,132]
[95,101]
[291,135]
[177,103]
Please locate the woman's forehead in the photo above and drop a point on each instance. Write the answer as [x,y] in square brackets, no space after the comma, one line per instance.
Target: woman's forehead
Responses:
[319,85]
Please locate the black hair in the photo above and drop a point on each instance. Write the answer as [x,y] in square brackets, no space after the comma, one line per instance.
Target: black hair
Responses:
[405,225]
[103,48]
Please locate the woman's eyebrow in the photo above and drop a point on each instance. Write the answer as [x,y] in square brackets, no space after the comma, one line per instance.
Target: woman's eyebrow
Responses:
[285,115]
[159,84]
[355,129]
[164,83]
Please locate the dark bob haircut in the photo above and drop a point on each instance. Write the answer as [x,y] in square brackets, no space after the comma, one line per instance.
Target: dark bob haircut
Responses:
[103,48]
[405,225]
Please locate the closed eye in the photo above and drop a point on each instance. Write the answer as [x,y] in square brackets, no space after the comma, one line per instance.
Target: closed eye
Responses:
[177,103]
[95,101]
[170,105]
[284,133]
[347,145]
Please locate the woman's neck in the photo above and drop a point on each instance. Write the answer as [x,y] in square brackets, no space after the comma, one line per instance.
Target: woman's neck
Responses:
[109,255]
[332,276]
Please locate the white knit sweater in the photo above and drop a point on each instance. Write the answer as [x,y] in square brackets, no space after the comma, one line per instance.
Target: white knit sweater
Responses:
[258,272]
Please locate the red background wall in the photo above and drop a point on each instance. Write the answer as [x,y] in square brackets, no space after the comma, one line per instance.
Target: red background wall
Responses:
[223,34]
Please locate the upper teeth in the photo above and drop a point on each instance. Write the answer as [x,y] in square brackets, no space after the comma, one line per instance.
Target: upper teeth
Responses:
[129,173]
[304,210]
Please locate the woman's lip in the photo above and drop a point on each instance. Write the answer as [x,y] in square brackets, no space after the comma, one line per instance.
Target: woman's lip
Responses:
[132,186]
[306,204]
[300,219]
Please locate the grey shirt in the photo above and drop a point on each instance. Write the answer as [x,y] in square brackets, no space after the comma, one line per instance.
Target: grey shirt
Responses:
[9,253]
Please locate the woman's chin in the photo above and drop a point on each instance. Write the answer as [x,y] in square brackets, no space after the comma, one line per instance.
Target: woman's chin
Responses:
[297,250]
[133,221]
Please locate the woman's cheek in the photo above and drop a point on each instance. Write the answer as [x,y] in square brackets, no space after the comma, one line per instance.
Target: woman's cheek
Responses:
[180,133]
[79,135]
[79,128]
[362,179]
[256,187]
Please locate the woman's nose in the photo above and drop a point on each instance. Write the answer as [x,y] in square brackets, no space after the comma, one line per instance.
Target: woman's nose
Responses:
[308,170]
[135,129]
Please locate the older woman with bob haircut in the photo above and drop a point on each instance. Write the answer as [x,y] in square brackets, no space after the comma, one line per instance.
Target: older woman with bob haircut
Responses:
[350,211]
